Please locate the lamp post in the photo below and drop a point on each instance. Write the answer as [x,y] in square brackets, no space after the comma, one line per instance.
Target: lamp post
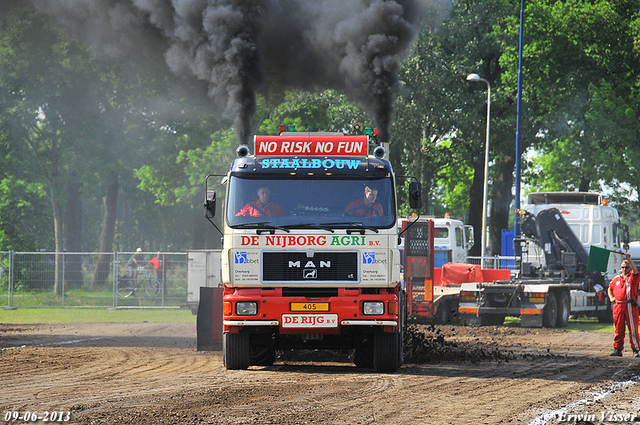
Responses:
[483,237]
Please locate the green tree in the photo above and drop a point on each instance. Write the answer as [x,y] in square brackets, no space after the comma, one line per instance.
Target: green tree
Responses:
[581,73]
[441,118]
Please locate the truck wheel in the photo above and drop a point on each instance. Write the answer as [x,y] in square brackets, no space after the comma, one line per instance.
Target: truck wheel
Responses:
[386,352]
[265,356]
[363,356]
[565,310]
[442,314]
[235,351]
[550,313]
[261,350]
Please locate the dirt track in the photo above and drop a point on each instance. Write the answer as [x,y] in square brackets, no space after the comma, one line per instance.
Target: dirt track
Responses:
[152,373]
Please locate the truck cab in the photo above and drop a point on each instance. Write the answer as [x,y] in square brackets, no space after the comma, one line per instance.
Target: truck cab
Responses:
[452,240]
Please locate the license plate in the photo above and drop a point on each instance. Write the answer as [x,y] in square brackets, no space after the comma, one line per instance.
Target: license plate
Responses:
[309,306]
[309,320]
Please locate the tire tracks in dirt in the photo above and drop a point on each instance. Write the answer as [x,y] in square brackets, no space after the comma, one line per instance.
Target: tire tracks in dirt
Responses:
[151,373]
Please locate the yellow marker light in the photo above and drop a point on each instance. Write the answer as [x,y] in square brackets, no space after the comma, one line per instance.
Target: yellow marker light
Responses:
[227,308]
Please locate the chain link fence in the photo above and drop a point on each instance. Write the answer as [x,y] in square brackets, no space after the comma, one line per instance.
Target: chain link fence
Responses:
[89,279]
[109,279]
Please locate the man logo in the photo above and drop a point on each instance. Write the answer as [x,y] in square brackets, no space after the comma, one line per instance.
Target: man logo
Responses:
[241,257]
[310,274]
[368,257]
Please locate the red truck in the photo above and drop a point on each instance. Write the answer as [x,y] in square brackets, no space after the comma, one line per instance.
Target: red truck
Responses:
[315,265]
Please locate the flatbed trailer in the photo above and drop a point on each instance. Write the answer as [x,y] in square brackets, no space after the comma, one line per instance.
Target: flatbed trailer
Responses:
[538,303]
[435,292]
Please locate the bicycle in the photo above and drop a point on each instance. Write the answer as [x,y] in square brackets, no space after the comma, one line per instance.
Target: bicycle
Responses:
[149,283]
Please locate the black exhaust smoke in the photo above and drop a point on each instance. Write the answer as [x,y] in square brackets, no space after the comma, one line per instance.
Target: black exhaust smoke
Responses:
[236,45]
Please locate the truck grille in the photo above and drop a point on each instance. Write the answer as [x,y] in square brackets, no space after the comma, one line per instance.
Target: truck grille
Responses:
[333,267]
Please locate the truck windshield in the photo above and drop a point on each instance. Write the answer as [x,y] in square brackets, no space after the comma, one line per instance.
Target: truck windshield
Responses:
[306,203]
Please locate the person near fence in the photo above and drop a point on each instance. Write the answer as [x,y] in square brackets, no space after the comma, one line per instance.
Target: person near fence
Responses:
[623,294]
[134,262]
[158,265]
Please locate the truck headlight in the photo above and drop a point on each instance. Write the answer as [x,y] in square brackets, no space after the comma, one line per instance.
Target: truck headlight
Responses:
[373,307]
[246,308]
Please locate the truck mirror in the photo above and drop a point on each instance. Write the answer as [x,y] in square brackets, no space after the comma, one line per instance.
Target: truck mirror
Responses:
[415,192]
[625,235]
[210,204]
[471,240]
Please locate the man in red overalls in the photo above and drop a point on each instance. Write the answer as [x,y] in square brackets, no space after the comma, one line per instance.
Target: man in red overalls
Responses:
[623,293]
[365,206]
[262,206]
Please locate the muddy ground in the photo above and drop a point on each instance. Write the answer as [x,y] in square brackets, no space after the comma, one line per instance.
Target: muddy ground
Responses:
[148,373]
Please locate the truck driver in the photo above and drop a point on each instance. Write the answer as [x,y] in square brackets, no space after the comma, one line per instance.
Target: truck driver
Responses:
[263,206]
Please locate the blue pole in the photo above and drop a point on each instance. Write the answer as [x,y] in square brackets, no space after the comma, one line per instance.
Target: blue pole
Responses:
[518,119]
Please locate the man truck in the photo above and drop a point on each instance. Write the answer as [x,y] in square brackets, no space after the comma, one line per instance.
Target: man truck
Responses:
[558,275]
[315,265]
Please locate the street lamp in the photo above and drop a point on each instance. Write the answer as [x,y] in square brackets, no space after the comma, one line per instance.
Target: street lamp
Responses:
[483,237]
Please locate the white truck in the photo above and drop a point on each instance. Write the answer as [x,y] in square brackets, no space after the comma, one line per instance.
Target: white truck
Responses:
[554,280]
[452,240]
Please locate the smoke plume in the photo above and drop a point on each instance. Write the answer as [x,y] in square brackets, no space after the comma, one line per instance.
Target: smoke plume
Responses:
[237,47]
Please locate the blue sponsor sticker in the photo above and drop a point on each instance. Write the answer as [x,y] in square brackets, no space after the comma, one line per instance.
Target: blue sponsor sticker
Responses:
[368,257]
[241,257]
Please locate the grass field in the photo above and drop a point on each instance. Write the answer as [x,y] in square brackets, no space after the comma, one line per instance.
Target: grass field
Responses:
[95,315]
[581,324]
[174,315]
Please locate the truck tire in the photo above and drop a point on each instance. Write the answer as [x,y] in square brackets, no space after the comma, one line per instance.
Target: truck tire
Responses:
[564,310]
[363,356]
[235,351]
[550,312]
[386,352]
[262,352]
[442,313]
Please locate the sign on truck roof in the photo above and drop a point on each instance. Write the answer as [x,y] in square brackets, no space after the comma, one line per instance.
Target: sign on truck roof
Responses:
[311,145]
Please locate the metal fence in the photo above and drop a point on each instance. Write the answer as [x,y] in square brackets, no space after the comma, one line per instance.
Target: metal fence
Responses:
[89,279]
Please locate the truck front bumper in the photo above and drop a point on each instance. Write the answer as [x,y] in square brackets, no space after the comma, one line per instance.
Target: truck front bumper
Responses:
[298,314]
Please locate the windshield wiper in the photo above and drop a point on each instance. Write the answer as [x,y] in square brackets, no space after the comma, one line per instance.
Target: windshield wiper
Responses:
[358,226]
[261,226]
[322,226]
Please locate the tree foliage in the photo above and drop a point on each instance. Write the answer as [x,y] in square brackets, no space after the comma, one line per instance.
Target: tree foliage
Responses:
[72,127]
